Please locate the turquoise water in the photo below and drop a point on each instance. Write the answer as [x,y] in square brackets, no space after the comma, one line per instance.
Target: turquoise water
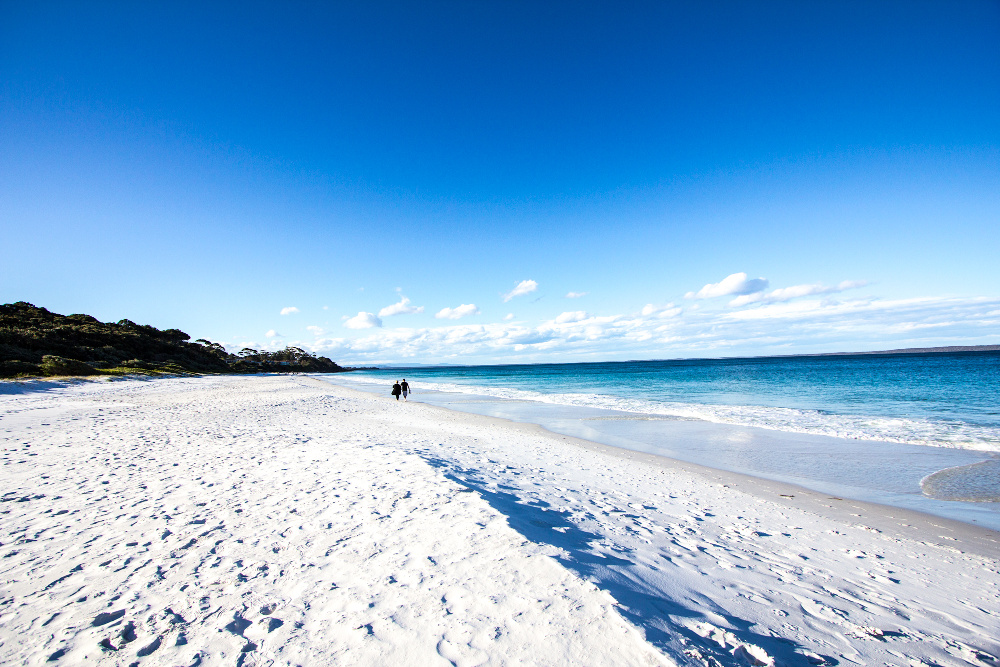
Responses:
[915,431]
[944,400]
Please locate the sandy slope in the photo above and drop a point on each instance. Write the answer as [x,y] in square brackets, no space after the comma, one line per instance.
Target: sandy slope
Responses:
[280,520]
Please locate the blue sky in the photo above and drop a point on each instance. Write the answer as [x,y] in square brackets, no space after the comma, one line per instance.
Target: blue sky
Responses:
[705,179]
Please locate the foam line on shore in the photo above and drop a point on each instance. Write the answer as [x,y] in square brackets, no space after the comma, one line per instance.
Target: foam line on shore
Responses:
[895,521]
[912,431]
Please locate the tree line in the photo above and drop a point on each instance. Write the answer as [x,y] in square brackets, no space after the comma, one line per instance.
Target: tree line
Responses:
[37,342]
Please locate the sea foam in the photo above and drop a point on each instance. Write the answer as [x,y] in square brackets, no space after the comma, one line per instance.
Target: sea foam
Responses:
[911,431]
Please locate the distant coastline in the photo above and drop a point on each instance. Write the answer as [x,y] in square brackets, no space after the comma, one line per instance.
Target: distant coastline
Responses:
[949,349]
[911,350]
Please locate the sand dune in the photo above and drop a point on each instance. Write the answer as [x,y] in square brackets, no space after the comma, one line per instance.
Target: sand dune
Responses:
[281,520]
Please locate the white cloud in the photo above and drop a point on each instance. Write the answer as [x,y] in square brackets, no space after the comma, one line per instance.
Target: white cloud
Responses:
[402,307]
[669,310]
[326,307]
[877,315]
[576,295]
[315,331]
[508,317]
[523,287]
[457,312]
[805,325]
[362,320]
[776,311]
[736,283]
[272,334]
[289,310]
[574,316]
[796,291]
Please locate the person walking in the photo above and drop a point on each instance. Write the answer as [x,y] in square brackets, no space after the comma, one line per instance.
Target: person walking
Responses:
[405,388]
[396,389]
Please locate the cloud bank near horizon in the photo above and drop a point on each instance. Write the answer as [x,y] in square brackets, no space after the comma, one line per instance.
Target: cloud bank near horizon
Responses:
[800,318]
[668,331]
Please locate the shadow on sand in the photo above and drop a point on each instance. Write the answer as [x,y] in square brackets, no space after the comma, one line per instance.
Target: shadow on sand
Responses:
[642,604]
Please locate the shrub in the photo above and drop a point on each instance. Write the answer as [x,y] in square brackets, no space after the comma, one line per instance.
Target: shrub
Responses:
[53,365]
[15,368]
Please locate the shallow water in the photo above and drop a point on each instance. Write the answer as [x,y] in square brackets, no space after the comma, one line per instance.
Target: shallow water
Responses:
[894,442]
[973,482]
[944,400]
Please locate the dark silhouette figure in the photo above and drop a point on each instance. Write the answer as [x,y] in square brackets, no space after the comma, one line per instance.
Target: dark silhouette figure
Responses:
[396,390]
[406,389]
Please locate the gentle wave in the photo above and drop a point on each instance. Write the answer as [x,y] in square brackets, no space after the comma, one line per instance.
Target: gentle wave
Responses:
[975,482]
[953,434]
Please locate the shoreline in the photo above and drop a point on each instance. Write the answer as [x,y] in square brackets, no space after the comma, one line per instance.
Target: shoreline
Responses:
[887,519]
[295,521]
[891,520]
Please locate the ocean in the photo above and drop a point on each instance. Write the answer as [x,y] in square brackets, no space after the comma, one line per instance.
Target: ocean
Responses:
[920,431]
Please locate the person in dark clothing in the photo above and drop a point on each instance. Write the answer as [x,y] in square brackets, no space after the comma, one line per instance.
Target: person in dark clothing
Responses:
[406,388]
[396,389]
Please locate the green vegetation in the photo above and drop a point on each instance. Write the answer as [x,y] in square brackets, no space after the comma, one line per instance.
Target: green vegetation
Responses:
[34,342]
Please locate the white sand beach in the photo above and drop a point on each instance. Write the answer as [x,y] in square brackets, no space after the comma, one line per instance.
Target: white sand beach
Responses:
[282,520]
